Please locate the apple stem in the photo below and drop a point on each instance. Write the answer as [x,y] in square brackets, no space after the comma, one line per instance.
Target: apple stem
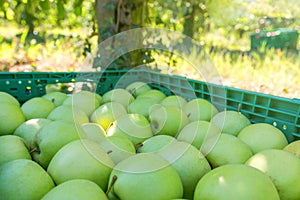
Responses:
[52,100]
[154,125]
[36,149]
[114,178]
[110,151]
[138,145]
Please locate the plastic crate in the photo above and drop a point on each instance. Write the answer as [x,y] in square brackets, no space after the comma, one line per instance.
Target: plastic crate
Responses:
[281,112]
[276,38]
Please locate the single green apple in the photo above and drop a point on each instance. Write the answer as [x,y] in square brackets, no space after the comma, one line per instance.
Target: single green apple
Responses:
[11,117]
[81,159]
[236,182]
[293,147]
[167,120]
[85,100]
[68,113]
[56,97]
[189,163]
[174,100]
[155,143]
[135,127]
[94,131]
[137,88]
[24,179]
[118,148]
[282,167]
[119,95]
[262,136]
[144,176]
[52,137]
[107,113]
[199,109]
[8,98]
[12,147]
[228,150]
[141,106]
[79,189]
[153,94]
[28,129]
[230,122]
[201,134]
[37,107]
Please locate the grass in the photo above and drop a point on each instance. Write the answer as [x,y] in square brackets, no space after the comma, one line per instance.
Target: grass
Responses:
[276,73]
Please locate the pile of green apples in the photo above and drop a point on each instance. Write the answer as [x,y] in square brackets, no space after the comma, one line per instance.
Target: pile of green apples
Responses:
[137,143]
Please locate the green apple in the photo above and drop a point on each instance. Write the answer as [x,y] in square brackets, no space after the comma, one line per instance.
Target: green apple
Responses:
[24,179]
[118,148]
[81,159]
[52,137]
[11,116]
[119,95]
[155,143]
[199,109]
[228,150]
[133,126]
[262,136]
[293,147]
[174,100]
[153,94]
[137,88]
[167,120]
[68,113]
[236,182]
[94,131]
[56,97]
[37,107]
[144,176]
[198,133]
[12,147]
[85,100]
[28,129]
[107,113]
[282,167]
[76,189]
[189,163]
[8,98]
[141,106]
[230,122]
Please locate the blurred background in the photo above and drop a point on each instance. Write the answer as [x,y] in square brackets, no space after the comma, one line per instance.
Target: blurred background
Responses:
[253,43]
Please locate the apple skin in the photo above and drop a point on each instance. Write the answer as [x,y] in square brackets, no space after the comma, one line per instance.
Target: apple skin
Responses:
[137,88]
[56,97]
[293,147]
[68,113]
[236,182]
[198,133]
[24,179]
[282,167]
[155,143]
[37,107]
[76,189]
[81,159]
[181,153]
[167,120]
[94,131]
[52,137]
[135,127]
[11,116]
[141,106]
[230,122]
[174,100]
[8,98]
[199,109]
[29,128]
[119,95]
[107,113]
[118,148]
[228,150]
[262,136]
[12,147]
[153,94]
[84,100]
[145,175]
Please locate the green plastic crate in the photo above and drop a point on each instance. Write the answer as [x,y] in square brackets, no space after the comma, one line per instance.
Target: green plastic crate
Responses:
[276,38]
[281,112]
